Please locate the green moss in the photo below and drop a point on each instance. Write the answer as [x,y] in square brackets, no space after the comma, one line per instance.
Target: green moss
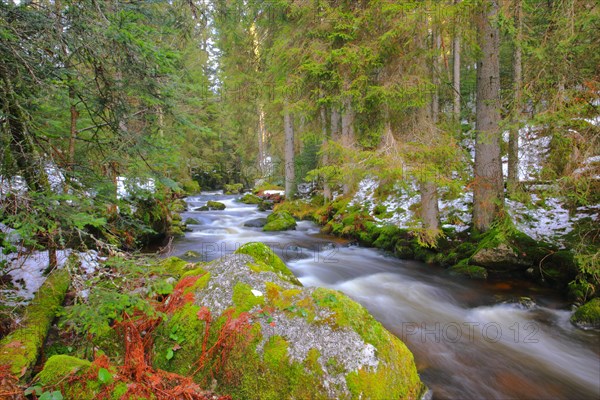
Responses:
[215,205]
[266,186]
[250,198]
[178,205]
[184,329]
[273,376]
[299,209]
[396,376]
[280,221]
[194,272]
[200,283]
[20,349]
[588,315]
[59,366]
[119,390]
[267,260]
[472,271]
[244,299]
[191,187]
[276,352]
[171,266]
[234,188]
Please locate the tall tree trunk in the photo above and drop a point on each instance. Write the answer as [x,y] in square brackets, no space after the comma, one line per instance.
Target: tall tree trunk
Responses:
[428,188]
[513,138]
[290,176]
[456,70]
[262,142]
[488,196]
[325,156]
[348,136]
[72,93]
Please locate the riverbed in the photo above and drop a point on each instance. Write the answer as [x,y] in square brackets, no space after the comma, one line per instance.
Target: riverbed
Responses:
[471,339]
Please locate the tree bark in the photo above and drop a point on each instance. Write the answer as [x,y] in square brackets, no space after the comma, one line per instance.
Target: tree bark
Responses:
[325,156]
[488,196]
[428,188]
[290,176]
[456,70]
[348,136]
[513,138]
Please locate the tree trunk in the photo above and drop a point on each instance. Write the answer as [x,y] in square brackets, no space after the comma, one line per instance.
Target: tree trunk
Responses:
[290,178]
[429,198]
[348,137]
[456,70]
[262,142]
[325,156]
[488,197]
[513,138]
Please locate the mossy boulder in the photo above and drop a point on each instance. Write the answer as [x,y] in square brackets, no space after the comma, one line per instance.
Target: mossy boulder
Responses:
[463,268]
[280,221]
[235,188]
[588,315]
[215,205]
[59,366]
[192,221]
[298,342]
[250,198]
[212,205]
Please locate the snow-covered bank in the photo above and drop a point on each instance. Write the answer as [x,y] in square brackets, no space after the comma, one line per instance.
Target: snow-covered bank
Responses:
[26,271]
[546,219]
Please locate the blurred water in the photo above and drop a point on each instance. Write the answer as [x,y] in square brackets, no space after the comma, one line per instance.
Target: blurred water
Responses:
[471,340]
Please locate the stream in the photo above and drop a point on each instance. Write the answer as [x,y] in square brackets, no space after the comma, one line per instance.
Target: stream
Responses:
[470,339]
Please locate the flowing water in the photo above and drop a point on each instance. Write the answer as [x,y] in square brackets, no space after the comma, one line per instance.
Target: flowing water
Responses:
[471,340]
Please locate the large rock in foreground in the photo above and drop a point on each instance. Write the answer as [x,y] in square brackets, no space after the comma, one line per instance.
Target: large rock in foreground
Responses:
[255,333]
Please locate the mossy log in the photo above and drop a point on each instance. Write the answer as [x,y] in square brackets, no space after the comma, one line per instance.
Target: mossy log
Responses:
[21,348]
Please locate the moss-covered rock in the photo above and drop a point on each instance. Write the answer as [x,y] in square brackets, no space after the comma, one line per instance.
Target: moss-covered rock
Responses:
[192,221]
[299,342]
[266,260]
[59,366]
[215,205]
[463,268]
[588,315]
[235,188]
[280,221]
[250,198]
[21,348]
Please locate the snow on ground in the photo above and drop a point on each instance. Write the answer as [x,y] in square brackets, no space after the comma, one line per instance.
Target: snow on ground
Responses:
[26,271]
[547,220]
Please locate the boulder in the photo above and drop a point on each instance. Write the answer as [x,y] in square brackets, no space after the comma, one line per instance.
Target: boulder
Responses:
[212,205]
[235,188]
[192,221]
[501,257]
[256,223]
[280,221]
[250,198]
[254,332]
[266,205]
[588,315]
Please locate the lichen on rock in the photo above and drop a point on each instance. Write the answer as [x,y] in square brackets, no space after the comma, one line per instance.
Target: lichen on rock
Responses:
[299,342]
